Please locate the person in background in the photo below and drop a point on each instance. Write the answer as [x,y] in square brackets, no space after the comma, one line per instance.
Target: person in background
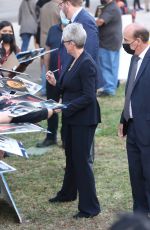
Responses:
[122,6]
[49,16]
[147,5]
[135,117]
[74,11]
[52,62]
[10,49]
[39,5]
[78,89]
[87,3]
[27,21]
[138,4]
[7,40]
[110,36]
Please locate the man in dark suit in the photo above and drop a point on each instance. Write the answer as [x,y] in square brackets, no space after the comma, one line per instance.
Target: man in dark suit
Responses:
[135,119]
[75,13]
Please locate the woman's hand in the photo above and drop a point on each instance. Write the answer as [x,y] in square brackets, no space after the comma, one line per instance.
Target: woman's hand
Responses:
[51,78]
[56,110]
[52,111]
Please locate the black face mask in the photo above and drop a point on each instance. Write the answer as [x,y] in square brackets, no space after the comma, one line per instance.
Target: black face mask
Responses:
[7,38]
[103,2]
[127,48]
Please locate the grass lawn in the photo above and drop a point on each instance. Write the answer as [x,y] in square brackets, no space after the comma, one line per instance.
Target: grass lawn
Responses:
[40,177]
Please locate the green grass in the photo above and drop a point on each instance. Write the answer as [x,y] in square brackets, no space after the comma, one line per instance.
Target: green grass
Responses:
[40,177]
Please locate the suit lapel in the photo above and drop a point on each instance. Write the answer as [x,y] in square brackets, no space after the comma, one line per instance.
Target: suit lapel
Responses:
[142,67]
[75,67]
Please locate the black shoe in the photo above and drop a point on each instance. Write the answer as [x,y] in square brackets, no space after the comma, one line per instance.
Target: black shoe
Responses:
[59,199]
[46,143]
[83,215]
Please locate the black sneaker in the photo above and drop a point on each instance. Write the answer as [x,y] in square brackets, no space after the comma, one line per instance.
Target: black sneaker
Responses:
[46,143]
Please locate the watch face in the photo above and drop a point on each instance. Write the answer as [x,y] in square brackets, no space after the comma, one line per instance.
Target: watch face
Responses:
[16,84]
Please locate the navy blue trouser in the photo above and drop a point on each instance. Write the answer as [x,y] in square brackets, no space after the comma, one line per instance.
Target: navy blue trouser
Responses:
[139,170]
[79,174]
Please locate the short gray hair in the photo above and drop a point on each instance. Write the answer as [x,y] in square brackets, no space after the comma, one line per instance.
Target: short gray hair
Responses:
[76,33]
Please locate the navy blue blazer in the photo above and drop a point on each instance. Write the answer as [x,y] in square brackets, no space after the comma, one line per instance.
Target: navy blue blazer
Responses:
[140,101]
[78,89]
[92,41]
[89,24]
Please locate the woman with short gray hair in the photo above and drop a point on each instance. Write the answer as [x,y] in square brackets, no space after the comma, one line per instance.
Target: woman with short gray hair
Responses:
[78,89]
[76,33]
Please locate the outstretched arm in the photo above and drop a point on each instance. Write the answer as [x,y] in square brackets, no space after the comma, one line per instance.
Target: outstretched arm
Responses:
[34,117]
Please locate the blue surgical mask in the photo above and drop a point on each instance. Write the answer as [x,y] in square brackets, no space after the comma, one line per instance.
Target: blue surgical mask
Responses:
[65,21]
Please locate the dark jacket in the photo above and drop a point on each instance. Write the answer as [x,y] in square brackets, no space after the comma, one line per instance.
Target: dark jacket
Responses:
[78,89]
[92,41]
[140,102]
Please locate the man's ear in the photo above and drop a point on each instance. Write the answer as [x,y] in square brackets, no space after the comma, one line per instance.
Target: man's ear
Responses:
[139,40]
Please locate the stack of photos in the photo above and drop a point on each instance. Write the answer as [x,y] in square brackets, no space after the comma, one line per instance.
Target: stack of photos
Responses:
[37,102]
[20,110]
[9,71]
[4,168]
[28,56]
[19,85]
[12,146]
[20,128]
[24,104]
[32,87]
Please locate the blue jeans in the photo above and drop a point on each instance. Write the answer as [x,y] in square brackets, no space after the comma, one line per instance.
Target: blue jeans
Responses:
[25,41]
[109,64]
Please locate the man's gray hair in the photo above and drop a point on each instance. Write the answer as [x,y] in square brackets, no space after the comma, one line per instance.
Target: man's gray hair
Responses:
[76,33]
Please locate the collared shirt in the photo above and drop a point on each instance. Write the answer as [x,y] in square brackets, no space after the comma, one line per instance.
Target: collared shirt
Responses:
[75,14]
[141,56]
